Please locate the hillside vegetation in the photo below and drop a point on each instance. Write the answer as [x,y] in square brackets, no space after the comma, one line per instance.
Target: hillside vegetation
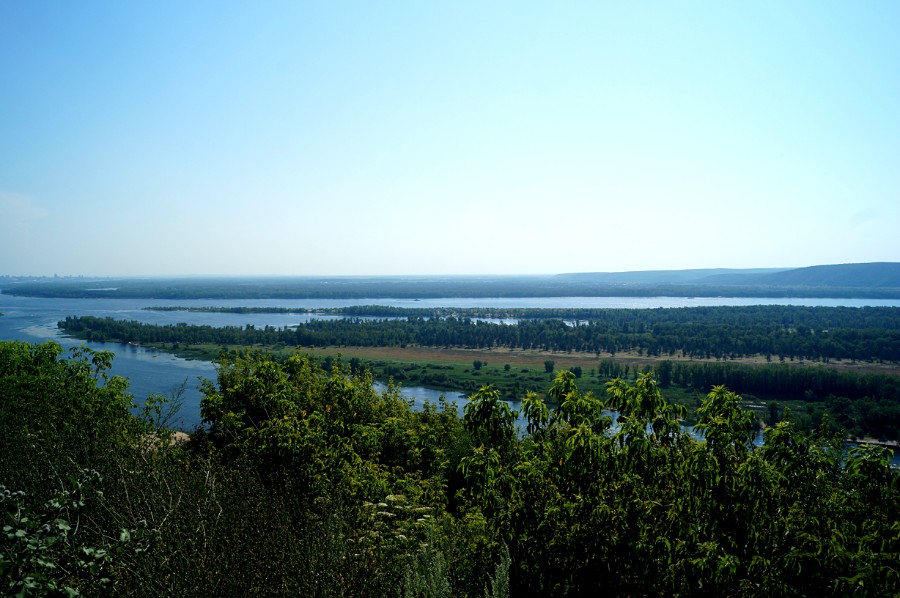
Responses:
[876,274]
[309,482]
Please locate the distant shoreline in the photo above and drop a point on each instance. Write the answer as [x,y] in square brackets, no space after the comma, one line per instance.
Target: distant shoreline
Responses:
[891,444]
[841,281]
[50,292]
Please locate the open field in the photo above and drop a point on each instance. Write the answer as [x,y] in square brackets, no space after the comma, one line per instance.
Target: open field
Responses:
[515,372]
[515,358]
[518,357]
[533,358]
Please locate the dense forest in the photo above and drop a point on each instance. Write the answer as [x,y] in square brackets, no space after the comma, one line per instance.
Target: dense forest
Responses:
[863,404]
[815,333]
[308,482]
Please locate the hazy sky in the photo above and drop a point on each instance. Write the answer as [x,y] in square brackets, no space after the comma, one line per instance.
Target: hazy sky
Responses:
[157,138]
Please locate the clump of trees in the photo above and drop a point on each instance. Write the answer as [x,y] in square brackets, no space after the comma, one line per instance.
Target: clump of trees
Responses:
[306,481]
[778,332]
[864,404]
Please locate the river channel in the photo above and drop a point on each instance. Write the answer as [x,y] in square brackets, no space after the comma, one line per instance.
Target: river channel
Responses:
[150,371]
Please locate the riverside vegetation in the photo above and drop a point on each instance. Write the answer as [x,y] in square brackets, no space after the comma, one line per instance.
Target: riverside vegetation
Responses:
[306,481]
[850,355]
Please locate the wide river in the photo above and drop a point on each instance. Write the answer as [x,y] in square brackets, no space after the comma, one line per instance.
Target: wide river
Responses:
[150,371]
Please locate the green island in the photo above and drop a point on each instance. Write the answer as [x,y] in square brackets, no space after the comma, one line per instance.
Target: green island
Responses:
[811,360]
[307,481]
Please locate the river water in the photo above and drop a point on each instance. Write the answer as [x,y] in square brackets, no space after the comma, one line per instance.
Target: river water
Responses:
[149,371]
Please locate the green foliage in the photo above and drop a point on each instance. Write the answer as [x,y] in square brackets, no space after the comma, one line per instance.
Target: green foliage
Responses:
[57,400]
[427,575]
[642,407]
[725,425]
[862,403]
[499,582]
[803,333]
[40,554]
[490,420]
[536,413]
[307,481]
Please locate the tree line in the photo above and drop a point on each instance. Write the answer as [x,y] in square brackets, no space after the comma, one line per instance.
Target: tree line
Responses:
[818,317]
[306,481]
[776,332]
[875,406]
[421,288]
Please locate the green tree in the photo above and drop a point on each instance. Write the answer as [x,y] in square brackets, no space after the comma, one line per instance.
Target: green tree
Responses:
[726,426]
[489,420]
[642,407]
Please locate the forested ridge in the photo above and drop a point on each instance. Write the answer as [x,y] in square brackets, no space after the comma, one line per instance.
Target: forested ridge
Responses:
[851,281]
[309,482]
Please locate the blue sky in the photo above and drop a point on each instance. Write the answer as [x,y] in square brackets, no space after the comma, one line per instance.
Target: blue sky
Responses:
[344,138]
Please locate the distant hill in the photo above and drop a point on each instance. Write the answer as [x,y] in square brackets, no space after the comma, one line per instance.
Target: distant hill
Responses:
[871,275]
[654,277]
[875,274]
